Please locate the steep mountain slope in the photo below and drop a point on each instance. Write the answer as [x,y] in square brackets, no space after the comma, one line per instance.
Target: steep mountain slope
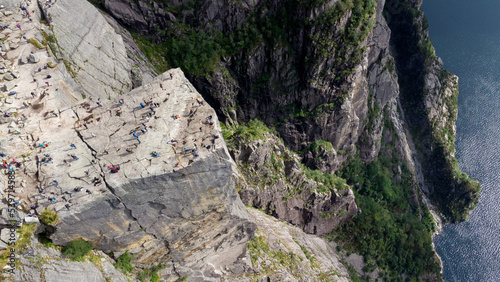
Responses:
[335,122]
[322,75]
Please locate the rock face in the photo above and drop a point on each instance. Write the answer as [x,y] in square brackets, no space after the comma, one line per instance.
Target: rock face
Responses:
[328,79]
[139,14]
[170,199]
[323,99]
[275,182]
[39,263]
[429,99]
[94,54]
[280,252]
[158,212]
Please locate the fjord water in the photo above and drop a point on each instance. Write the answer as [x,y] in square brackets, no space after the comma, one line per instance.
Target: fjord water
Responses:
[466,35]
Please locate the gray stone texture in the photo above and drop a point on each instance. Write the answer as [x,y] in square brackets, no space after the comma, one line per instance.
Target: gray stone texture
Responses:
[94,52]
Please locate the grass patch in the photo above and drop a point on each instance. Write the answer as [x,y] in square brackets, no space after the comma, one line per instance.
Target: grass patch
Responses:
[123,263]
[25,232]
[49,217]
[250,131]
[76,250]
[307,254]
[326,181]
[152,274]
[35,43]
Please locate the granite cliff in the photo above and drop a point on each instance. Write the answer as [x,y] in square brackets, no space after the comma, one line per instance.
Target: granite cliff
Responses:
[333,79]
[336,114]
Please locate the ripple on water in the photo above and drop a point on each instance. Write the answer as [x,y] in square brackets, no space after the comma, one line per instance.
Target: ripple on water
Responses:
[466,34]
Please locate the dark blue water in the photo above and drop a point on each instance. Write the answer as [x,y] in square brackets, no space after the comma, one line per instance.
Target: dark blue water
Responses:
[466,35]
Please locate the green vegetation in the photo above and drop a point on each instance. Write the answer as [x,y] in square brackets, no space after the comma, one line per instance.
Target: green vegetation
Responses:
[35,43]
[252,130]
[346,51]
[25,232]
[453,191]
[327,181]
[49,217]
[353,274]
[44,240]
[307,254]
[152,274]
[155,53]
[373,112]
[318,145]
[78,249]
[256,246]
[389,232]
[259,248]
[123,263]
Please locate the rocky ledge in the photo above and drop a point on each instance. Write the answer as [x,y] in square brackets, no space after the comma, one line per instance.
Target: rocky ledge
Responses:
[147,172]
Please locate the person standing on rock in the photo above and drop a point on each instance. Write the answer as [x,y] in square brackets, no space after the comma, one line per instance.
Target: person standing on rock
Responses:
[93,135]
[135,134]
[73,146]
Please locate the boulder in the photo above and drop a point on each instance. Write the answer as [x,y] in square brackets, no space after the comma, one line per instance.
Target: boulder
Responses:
[15,74]
[5,46]
[7,233]
[32,58]
[2,36]
[23,60]
[8,77]
[31,219]
[14,45]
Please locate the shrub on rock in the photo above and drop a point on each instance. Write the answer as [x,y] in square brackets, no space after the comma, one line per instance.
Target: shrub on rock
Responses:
[49,217]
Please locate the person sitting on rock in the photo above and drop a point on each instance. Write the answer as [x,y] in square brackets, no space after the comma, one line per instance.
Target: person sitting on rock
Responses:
[154,154]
